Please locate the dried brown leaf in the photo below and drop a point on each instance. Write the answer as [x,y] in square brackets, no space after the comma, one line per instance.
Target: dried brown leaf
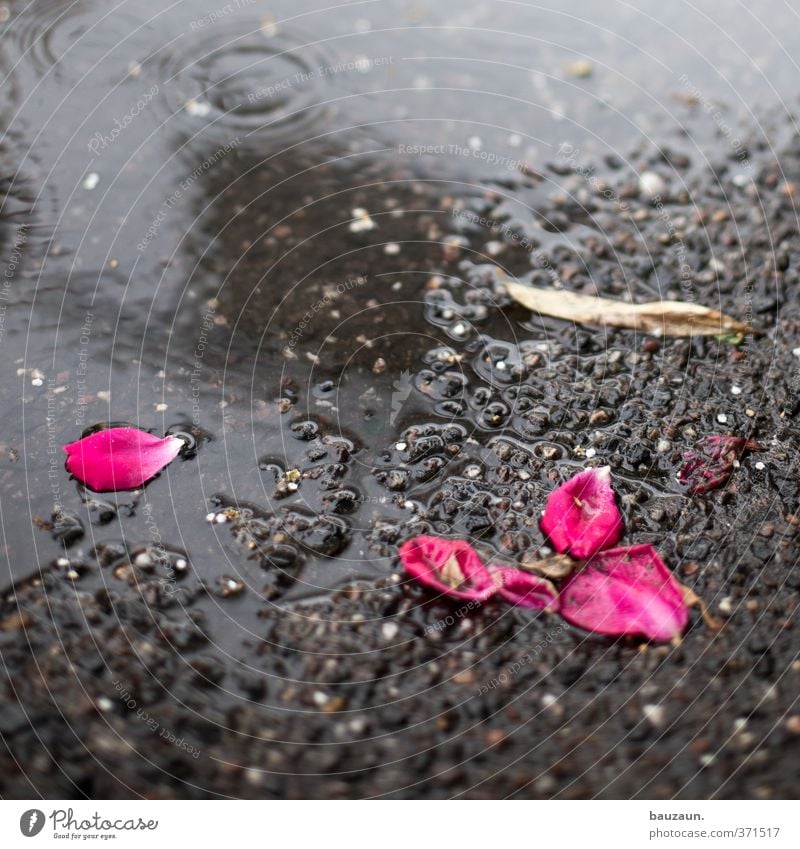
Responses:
[661,318]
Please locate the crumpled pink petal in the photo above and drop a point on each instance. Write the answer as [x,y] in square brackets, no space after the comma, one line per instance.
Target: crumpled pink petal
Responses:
[450,566]
[120,458]
[526,590]
[710,463]
[581,516]
[626,591]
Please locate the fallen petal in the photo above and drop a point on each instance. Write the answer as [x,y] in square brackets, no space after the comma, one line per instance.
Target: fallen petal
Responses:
[581,516]
[626,591]
[710,463]
[450,566]
[120,458]
[526,590]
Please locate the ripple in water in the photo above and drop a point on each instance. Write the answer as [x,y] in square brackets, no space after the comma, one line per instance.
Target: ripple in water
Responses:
[252,85]
[66,39]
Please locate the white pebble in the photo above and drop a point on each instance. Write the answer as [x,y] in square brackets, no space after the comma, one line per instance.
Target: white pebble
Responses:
[389,630]
[104,703]
[736,390]
[210,517]
[722,418]
[590,452]
[650,184]
[494,248]
[197,108]
[91,181]
[401,446]
[655,715]
[760,466]
[460,329]
[361,221]
[392,248]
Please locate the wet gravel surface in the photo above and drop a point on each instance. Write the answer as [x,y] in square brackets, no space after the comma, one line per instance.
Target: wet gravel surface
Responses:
[322,308]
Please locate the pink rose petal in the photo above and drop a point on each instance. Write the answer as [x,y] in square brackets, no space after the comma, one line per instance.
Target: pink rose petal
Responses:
[710,463]
[120,458]
[581,516]
[452,567]
[525,590]
[626,591]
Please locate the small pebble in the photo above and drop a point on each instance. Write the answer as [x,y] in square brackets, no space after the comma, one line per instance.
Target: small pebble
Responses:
[582,68]
[361,221]
[651,185]
[91,181]
[197,108]
[722,418]
[655,715]
[550,703]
